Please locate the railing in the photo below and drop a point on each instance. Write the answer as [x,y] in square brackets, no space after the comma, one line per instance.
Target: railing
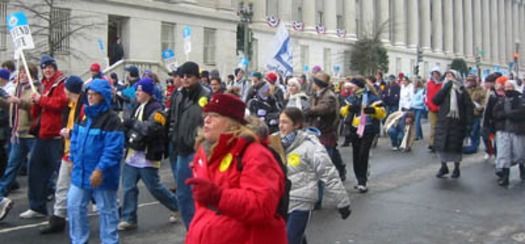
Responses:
[119,68]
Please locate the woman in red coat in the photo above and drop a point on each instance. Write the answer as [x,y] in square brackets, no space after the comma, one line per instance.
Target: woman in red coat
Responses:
[234,203]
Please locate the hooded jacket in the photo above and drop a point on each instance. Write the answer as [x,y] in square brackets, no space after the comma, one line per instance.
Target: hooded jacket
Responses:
[246,212]
[432,89]
[509,113]
[308,162]
[97,142]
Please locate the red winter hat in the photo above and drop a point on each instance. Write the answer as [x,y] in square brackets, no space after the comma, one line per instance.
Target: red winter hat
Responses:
[401,75]
[502,80]
[271,77]
[95,67]
[227,105]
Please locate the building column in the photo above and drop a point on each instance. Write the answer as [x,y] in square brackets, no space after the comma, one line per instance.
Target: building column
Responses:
[502,39]
[400,23]
[285,10]
[469,34]
[367,16]
[437,26]
[350,21]
[516,34]
[413,24]
[448,26]
[494,30]
[259,10]
[309,14]
[478,32]
[486,40]
[384,20]
[522,33]
[424,18]
[509,40]
[330,16]
[459,28]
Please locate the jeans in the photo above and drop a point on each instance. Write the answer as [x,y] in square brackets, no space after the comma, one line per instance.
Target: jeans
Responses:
[107,206]
[396,136]
[474,136]
[296,226]
[19,151]
[389,110]
[418,114]
[41,170]
[150,176]
[180,165]
[63,182]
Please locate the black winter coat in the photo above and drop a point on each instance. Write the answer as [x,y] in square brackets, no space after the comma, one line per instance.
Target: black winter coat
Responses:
[509,113]
[151,129]
[450,132]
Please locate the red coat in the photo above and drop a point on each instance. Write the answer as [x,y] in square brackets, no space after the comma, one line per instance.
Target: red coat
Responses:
[432,90]
[50,107]
[246,213]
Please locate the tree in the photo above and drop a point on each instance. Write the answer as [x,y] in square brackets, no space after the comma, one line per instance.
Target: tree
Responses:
[52,27]
[460,65]
[369,54]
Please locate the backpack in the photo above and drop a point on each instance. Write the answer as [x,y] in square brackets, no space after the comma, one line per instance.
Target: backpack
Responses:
[282,207]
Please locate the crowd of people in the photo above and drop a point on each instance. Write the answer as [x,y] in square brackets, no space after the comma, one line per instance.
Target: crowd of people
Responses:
[255,153]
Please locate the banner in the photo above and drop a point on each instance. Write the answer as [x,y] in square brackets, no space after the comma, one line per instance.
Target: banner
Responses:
[298,25]
[281,60]
[272,21]
[18,26]
[320,29]
[169,59]
[186,35]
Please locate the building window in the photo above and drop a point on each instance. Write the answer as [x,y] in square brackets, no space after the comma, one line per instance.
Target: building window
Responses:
[167,39]
[340,22]
[305,56]
[346,63]
[3,16]
[327,60]
[60,30]
[209,46]
[320,18]
[299,14]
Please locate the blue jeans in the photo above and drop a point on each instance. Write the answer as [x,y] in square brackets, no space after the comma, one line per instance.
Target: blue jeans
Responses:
[180,166]
[396,136]
[296,226]
[107,205]
[41,170]
[150,176]
[418,114]
[475,131]
[17,154]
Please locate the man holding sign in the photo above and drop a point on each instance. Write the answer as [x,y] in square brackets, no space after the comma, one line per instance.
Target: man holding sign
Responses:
[47,110]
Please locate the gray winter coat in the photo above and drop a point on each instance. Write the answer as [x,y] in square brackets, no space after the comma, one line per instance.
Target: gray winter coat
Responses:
[308,162]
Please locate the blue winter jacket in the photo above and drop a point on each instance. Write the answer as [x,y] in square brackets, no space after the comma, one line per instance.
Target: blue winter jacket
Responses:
[418,99]
[97,142]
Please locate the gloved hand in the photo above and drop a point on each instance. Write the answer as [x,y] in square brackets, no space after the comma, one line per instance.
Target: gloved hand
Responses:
[369,110]
[96,178]
[128,123]
[205,191]
[345,212]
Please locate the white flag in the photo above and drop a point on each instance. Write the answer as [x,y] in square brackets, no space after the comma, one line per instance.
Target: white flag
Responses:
[281,53]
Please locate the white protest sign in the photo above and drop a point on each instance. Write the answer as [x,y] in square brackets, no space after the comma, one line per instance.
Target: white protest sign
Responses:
[169,58]
[19,28]
[186,35]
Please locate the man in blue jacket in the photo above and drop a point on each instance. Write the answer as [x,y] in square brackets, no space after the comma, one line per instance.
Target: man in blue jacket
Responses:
[97,145]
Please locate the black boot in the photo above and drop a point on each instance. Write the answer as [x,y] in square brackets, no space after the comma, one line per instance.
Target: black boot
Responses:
[442,171]
[504,180]
[56,225]
[522,171]
[456,173]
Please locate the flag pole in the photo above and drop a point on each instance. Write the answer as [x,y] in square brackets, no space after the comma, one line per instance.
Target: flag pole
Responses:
[27,71]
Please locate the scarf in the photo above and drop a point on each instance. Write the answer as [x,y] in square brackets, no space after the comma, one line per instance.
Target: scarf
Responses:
[362,122]
[297,98]
[455,90]
[287,140]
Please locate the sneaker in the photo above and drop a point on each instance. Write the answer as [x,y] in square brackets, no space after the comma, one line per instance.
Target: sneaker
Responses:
[361,188]
[94,208]
[5,205]
[30,214]
[486,157]
[174,217]
[124,225]
[395,149]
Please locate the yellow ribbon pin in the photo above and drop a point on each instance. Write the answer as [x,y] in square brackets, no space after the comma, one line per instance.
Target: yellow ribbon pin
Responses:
[294,159]
[203,101]
[226,162]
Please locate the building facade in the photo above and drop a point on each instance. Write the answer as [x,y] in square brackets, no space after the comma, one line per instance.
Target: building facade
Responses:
[86,31]
[443,29]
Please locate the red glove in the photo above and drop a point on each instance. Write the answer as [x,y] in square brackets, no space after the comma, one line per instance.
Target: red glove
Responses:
[205,191]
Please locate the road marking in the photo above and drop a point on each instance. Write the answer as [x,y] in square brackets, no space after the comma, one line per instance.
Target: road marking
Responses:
[29,226]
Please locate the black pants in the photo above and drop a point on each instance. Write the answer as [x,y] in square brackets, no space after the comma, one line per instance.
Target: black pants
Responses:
[361,150]
[3,157]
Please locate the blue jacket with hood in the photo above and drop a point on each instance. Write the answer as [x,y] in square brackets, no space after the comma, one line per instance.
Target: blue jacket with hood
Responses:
[97,142]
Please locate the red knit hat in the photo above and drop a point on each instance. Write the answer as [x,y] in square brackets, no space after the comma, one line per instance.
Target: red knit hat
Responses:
[502,80]
[271,77]
[227,105]
[95,67]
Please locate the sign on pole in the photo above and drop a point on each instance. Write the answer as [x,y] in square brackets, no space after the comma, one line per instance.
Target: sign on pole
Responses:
[169,58]
[186,35]
[18,27]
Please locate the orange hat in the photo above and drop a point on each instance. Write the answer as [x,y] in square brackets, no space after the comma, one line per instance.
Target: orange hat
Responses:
[502,79]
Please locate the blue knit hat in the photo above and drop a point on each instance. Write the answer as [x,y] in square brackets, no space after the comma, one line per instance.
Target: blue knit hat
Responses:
[146,85]
[47,60]
[4,74]
[74,84]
